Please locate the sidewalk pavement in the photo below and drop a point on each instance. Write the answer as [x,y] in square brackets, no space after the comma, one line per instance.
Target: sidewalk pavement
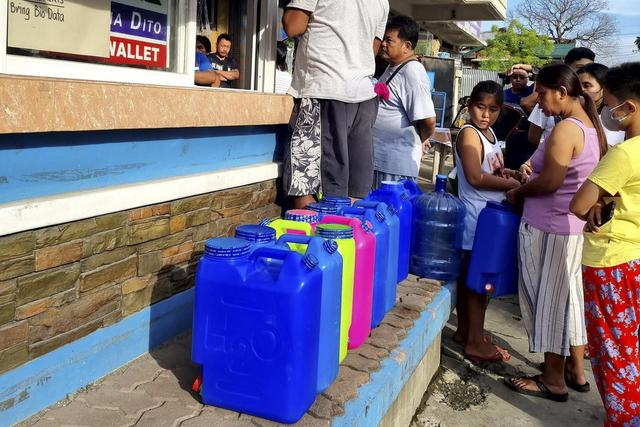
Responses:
[463,394]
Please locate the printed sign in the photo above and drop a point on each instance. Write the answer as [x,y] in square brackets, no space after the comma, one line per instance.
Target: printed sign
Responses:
[139,33]
[79,27]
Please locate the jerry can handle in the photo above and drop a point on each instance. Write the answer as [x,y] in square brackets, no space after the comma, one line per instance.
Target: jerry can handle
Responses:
[295,238]
[337,219]
[366,204]
[270,252]
[353,211]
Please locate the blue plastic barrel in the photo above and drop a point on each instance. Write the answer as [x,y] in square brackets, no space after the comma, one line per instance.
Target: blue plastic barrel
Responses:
[394,194]
[384,279]
[437,234]
[339,201]
[493,268]
[262,336]
[330,263]
[393,223]
[226,259]
[323,208]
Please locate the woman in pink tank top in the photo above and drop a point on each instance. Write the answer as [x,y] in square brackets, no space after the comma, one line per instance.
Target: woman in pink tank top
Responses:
[550,236]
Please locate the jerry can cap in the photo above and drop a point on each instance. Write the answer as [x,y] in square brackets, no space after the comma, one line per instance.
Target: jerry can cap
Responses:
[301,215]
[330,246]
[256,233]
[325,208]
[226,247]
[310,261]
[334,231]
[337,200]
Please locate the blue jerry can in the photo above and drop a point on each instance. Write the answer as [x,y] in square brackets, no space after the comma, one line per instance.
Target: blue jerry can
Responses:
[493,269]
[330,263]
[261,333]
[394,194]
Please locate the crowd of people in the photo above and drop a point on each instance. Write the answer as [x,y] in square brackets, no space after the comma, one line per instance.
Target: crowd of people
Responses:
[578,186]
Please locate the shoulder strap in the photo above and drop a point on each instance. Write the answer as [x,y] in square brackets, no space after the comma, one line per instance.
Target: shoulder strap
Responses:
[398,70]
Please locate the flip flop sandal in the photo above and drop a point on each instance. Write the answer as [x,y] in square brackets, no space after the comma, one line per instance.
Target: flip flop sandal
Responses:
[542,392]
[499,355]
[580,388]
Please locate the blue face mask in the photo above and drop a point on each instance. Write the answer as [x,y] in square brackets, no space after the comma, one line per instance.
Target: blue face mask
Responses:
[610,122]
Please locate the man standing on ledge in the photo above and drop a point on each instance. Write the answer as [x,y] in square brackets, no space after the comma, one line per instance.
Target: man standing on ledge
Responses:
[222,63]
[331,149]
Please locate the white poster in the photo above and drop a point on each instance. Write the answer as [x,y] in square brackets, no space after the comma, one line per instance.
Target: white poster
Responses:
[78,27]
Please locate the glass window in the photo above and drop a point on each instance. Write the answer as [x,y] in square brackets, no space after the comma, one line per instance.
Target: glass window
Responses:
[136,35]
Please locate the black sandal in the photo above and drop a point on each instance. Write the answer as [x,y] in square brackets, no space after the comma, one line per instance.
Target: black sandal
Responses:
[580,388]
[542,392]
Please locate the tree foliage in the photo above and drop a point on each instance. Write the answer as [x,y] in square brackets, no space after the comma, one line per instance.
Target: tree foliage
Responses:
[567,21]
[637,42]
[515,44]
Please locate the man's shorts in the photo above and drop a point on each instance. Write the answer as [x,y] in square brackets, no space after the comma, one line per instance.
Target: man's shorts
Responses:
[330,148]
[347,147]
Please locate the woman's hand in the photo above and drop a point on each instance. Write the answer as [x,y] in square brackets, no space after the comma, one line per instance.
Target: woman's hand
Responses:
[514,196]
[525,172]
[594,217]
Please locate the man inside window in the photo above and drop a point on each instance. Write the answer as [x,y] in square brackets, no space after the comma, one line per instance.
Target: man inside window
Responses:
[225,66]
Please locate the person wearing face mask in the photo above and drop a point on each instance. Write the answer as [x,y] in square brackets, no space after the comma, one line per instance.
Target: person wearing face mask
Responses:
[592,78]
[611,254]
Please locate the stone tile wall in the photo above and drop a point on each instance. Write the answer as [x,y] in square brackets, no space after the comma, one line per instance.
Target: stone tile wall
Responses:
[60,283]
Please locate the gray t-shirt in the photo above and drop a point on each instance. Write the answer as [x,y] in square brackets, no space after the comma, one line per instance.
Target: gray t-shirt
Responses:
[334,59]
[397,147]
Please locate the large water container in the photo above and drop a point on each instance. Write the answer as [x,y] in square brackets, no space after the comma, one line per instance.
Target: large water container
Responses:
[384,278]
[339,201]
[439,223]
[363,277]
[259,235]
[493,268]
[393,222]
[262,336]
[394,194]
[343,236]
[285,226]
[225,260]
[330,263]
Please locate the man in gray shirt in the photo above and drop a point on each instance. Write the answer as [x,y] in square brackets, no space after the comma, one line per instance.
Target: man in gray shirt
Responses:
[331,149]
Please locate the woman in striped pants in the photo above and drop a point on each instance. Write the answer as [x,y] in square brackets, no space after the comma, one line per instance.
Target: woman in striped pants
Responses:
[550,239]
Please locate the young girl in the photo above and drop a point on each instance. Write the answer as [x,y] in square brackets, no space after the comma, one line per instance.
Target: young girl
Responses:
[611,254]
[481,178]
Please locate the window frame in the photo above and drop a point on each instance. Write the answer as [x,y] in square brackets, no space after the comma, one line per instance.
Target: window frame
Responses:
[185,29]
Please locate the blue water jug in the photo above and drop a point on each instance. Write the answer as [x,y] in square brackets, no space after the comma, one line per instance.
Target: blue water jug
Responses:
[339,201]
[225,259]
[384,279]
[262,336]
[258,235]
[394,194]
[393,223]
[330,263]
[493,268]
[437,234]
[323,208]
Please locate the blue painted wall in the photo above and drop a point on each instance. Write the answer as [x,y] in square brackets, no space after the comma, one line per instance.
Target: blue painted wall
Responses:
[45,164]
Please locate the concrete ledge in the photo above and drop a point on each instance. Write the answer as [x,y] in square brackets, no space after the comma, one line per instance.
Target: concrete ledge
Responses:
[380,383]
[394,392]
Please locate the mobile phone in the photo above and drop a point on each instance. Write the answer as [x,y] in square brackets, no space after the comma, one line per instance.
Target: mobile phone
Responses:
[607,212]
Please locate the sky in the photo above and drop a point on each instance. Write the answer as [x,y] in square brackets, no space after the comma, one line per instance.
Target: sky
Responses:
[627,15]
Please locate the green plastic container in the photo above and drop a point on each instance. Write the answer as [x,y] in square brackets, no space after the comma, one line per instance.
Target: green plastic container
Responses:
[343,235]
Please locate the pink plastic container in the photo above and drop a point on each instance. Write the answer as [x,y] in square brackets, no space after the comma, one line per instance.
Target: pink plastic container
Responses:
[363,277]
